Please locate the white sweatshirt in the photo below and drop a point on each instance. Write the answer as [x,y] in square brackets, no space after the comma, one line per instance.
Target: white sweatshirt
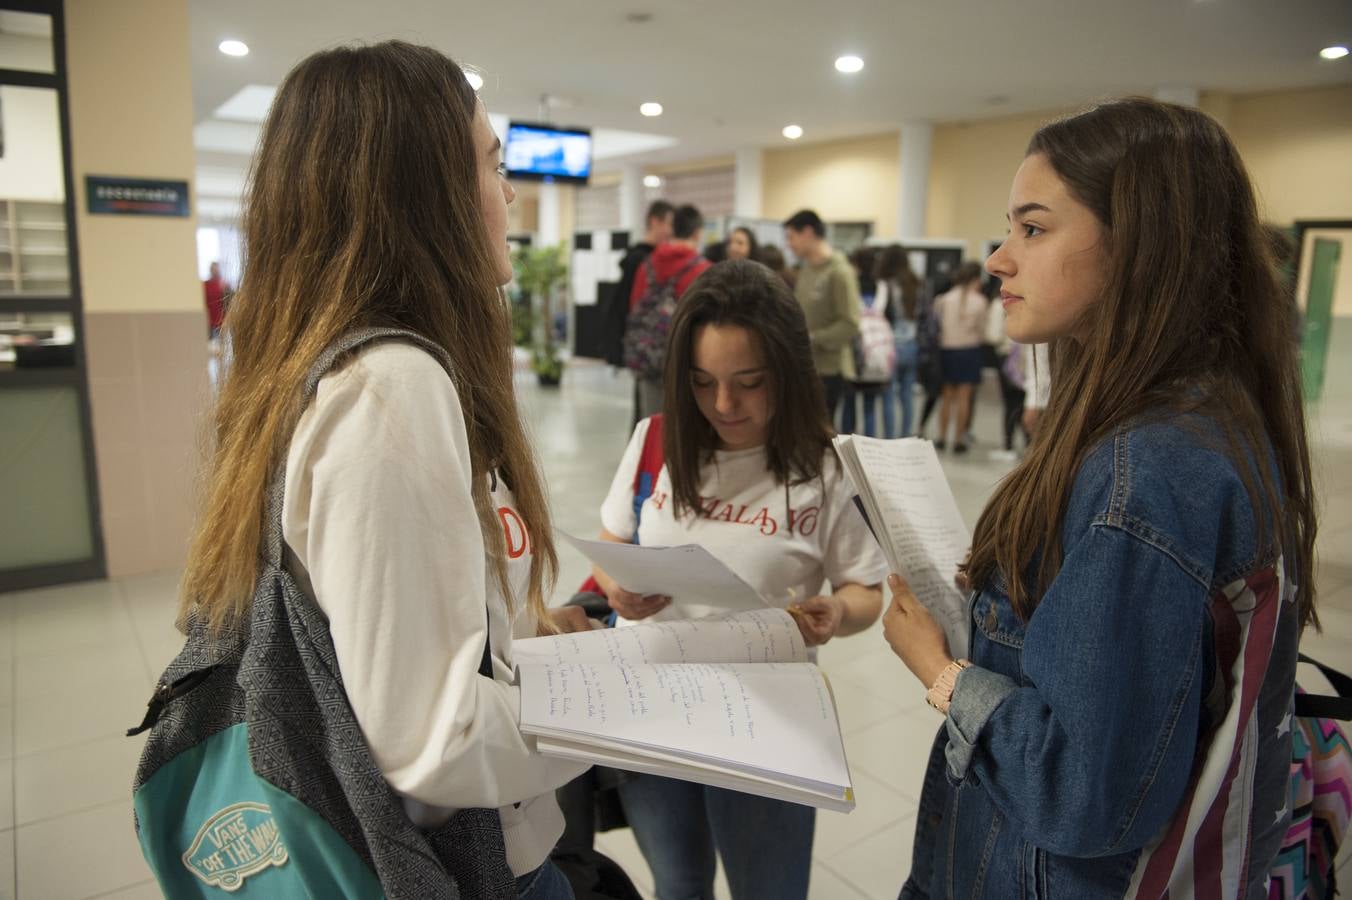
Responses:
[382,534]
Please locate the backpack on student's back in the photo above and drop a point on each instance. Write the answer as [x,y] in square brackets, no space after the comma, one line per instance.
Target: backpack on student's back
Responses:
[875,348]
[1320,795]
[256,780]
[649,322]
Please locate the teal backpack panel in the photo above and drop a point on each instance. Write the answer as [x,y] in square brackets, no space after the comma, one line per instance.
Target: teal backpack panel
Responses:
[233,826]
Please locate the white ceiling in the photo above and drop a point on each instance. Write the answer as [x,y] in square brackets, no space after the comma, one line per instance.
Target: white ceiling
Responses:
[732,73]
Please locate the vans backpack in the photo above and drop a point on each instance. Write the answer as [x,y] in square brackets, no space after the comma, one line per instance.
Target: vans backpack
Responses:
[256,780]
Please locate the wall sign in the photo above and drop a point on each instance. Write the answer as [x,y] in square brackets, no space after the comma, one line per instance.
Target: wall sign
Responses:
[135,196]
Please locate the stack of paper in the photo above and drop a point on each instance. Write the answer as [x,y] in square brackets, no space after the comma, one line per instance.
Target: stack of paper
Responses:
[915,518]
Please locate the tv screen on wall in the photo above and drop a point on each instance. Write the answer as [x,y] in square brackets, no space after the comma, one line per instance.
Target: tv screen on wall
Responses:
[548,153]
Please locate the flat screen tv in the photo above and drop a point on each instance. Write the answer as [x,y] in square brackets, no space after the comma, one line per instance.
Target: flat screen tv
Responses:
[536,152]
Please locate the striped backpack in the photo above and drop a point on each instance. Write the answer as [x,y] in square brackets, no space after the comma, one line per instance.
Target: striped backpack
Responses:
[1321,794]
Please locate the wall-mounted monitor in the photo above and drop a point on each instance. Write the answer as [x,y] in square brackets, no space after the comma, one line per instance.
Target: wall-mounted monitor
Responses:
[537,152]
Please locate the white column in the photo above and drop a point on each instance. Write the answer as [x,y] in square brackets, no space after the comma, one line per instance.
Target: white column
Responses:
[631,201]
[748,190]
[913,194]
[550,229]
[1183,96]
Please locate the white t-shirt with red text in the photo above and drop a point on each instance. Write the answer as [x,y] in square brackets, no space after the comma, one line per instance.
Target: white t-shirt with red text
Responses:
[382,534]
[777,547]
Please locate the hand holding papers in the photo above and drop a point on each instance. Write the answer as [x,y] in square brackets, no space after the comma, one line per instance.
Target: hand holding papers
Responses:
[916,521]
[687,573]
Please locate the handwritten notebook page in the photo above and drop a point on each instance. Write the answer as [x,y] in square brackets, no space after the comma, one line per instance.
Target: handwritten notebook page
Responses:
[758,636]
[916,520]
[764,717]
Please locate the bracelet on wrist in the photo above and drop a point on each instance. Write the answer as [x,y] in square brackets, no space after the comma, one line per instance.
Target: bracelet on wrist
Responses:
[940,694]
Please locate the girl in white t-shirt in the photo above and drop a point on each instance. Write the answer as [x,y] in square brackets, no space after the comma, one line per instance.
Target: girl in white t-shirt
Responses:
[414,516]
[749,474]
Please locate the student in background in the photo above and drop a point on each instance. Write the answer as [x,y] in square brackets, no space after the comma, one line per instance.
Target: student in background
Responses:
[741,243]
[750,474]
[399,476]
[772,258]
[215,290]
[899,293]
[657,230]
[874,349]
[828,290]
[1142,577]
[674,264]
[961,314]
[1009,365]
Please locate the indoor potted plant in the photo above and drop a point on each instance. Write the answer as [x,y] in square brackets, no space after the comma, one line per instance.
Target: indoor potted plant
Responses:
[539,272]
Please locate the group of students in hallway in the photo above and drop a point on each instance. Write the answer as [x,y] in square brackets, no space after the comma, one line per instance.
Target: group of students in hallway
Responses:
[1107,617]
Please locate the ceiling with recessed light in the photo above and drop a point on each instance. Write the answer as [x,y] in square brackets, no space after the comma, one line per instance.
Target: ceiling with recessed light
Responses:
[732,75]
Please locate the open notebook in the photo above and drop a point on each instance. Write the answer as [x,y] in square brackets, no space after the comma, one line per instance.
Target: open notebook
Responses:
[729,701]
[911,510]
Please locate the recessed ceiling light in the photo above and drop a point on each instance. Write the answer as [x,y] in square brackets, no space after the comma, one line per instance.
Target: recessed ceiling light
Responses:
[652,181]
[1335,52]
[651,109]
[475,80]
[849,65]
[233,48]
[793,132]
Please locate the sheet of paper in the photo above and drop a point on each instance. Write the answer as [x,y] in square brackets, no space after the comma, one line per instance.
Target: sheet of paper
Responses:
[687,573]
[917,522]
[764,717]
[758,636]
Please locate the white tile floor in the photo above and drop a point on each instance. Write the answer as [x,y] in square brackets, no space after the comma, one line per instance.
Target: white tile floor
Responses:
[77,664]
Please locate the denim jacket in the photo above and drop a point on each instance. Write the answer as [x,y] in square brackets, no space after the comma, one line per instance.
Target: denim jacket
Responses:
[1132,738]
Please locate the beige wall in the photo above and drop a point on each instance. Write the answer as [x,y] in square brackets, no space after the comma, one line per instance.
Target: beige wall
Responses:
[971,167]
[1297,145]
[131,115]
[844,181]
[144,324]
[1298,148]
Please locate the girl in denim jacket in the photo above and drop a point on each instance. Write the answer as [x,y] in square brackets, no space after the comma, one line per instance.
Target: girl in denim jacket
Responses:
[1140,581]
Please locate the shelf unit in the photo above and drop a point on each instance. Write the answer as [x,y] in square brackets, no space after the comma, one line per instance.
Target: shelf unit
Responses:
[33,248]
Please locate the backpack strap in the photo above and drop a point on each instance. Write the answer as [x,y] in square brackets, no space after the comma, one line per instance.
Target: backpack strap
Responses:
[1316,706]
[327,360]
[339,350]
[650,463]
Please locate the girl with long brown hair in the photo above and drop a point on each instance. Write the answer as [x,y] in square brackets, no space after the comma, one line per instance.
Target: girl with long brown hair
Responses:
[413,514]
[1141,579]
[749,473]
[899,291]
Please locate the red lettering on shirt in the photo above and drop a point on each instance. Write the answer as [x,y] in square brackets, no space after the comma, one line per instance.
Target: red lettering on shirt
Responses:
[767,523]
[804,521]
[659,499]
[518,539]
[725,515]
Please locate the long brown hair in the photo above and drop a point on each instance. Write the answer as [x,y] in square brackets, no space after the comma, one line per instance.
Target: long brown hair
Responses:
[894,267]
[1192,319]
[362,210]
[748,295]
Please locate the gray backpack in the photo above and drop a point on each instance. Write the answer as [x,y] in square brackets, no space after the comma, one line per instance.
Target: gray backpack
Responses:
[256,770]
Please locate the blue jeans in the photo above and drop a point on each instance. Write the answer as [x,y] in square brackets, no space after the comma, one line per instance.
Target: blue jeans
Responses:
[903,385]
[545,883]
[766,845]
